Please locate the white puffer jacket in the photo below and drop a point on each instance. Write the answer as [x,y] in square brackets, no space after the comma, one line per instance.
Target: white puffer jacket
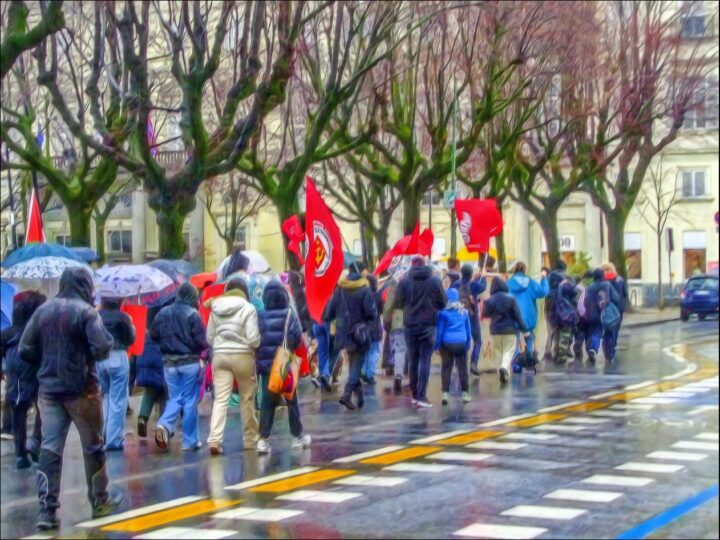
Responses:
[233,325]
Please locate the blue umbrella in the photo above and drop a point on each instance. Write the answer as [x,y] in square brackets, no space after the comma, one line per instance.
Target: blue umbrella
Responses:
[33,251]
[7,292]
[178,270]
[87,254]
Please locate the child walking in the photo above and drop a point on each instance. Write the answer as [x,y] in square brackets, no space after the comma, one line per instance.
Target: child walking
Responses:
[454,336]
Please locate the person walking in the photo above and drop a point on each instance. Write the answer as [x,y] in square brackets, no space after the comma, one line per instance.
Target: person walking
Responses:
[21,379]
[234,336]
[454,334]
[469,290]
[393,322]
[610,335]
[114,372]
[421,297]
[590,329]
[354,309]
[566,318]
[151,377]
[372,357]
[65,338]
[180,333]
[278,324]
[452,274]
[506,321]
[553,331]
[527,292]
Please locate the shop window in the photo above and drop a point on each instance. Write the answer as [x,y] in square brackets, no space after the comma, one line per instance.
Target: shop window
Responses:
[694,252]
[633,255]
[120,242]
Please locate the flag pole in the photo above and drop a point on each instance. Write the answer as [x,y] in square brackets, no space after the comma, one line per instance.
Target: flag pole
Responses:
[453,215]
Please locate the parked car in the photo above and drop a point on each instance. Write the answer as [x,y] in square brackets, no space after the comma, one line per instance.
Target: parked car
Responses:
[699,296]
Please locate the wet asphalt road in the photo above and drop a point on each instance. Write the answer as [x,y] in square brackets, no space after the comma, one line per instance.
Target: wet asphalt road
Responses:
[473,480]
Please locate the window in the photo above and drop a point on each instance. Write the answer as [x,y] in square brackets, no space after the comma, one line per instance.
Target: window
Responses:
[703,108]
[62,239]
[120,242]
[436,198]
[693,26]
[694,252]
[241,238]
[633,255]
[693,184]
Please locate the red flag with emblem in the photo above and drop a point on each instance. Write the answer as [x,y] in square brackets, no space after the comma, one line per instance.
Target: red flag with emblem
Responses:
[479,220]
[35,231]
[407,245]
[324,262]
[295,235]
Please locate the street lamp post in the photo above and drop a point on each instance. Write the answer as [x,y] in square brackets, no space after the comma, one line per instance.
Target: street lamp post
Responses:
[453,215]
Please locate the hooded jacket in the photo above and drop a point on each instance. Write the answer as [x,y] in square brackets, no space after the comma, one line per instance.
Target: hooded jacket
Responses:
[453,323]
[21,377]
[352,303]
[118,324]
[421,297]
[65,337]
[620,286]
[272,326]
[470,288]
[376,331]
[503,310]
[233,324]
[599,288]
[527,292]
[178,328]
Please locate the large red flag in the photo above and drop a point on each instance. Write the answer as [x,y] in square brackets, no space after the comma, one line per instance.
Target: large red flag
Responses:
[34,232]
[324,262]
[410,244]
[478,219]
[296,236]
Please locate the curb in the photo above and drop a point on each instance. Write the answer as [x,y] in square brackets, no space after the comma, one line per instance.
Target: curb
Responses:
[649,323]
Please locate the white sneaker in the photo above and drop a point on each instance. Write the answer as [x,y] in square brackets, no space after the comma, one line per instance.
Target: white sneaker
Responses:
[423,405]
[303,441]
[414,402]
[263,447]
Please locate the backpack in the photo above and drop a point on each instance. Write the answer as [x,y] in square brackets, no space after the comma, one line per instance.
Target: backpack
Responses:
[609,313]
[565,313]
[582,293]
[467,299]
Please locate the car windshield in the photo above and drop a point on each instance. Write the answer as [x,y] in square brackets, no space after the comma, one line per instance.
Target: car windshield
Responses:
[705,284]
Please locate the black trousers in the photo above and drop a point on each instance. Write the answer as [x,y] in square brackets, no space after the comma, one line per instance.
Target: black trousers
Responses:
[454,355]
[269,403]
[19,423]
[7,408]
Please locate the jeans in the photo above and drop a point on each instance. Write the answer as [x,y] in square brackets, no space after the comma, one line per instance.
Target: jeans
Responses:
[355,365]
[477,340]
[184,389]
[420,345]
[609,342]
[398,350]
[529,343]
[270,401]
[590,334]
[454,354]
[322,334]
[372,356]
[19,424]
[114,374]
[86,413]
[151,397]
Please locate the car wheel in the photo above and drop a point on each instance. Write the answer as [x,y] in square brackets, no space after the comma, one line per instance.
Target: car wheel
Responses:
[684,315]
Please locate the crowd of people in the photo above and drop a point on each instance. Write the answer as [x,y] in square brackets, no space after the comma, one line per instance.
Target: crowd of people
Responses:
[69,360]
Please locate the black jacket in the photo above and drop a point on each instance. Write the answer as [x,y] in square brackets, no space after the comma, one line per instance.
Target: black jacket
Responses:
[21,377]
[593,295]
[421,297]
[376,329]
[352,303]
[178,328]
[65,337]
[118,324]
[272,326]
[503,310]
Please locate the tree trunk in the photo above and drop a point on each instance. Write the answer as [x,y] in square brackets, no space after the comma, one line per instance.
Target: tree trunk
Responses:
[616,240]
[501,256]
[661,296]
[285,209]
[411,213]
[369,248]
[229,245]
[100,241]
[79,218]
[548,224]
[381,237]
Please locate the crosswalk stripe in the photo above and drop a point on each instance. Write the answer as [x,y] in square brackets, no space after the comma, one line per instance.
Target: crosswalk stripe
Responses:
[583,495]
[626,481]
[401,455]
[559,427]
[536,420]
[496,445]
[611,414]
[439,436]
[185,532]
[308,479]
[171,515]
[373,481]
[557,407]
[411,466]
[587,407]
[309,495]
[529,436]
[695,445]
[139,512]
[707,436]
[680,456]
[271,478]
[471,437]
[487,530]
[654,401]
[633,406]
[543,512]
[584,420]
[501,421]
[673,394]
[371,453]
[248,513]
[662,468]
[460,456]
[640,385]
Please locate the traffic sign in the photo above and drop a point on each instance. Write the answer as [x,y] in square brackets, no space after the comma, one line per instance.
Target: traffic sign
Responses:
[449,198]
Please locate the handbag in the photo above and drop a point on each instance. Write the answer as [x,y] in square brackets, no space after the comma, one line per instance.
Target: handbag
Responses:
[284,372]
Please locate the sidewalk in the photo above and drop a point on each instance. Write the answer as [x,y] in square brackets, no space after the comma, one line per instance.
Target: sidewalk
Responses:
[646,317]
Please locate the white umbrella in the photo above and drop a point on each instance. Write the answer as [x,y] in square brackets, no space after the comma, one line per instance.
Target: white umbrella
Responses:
[42,273]
[126,280]
[258,263]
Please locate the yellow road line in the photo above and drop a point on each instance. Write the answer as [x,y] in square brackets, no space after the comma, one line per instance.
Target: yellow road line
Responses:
[402,455]
[170,515]
[302,480]
[586,407]
[471,437]
[537,420]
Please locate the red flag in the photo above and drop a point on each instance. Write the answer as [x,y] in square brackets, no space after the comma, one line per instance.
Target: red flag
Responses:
[408,245]
[324,263]
[34,232]
[478,219]
[296,236]
[138,315]
[425,243]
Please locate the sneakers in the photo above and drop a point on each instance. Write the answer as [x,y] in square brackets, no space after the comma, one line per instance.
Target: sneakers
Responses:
[475,371]
[108,507]
[504,376]
[47,521]
[347,402]
[414,402]
[315,381]
[162,436]
[196,446]
[445,398]
[421,404]
[303,441]
[6,436]
[325,383]
[22,462]
[263,447]
[216,449]
[142,427]
[466,397]
[397,384]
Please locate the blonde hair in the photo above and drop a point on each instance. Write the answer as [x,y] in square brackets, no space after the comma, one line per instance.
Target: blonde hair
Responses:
[609,267]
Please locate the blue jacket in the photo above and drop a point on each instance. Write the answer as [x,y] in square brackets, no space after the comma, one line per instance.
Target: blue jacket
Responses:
[453,323]
[503,310]
[272,326]
[527,292]
[150,366]
[178,328]
[620,286]
[592,299]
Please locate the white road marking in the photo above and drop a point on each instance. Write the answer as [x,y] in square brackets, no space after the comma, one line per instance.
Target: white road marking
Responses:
[371,453]
[374,481]
[271,478]
[610,480]
[185,532]
[640,385]
[707,436]
[654,401]
[612,414]
[506,420]
[558,427]
[584,495]
[703,408]
[695,445]
[672,394]
[496,445]
[139,512]
[409,466]
[691,388]
[679,456]
[440,437]
[310,495]
[638,406]
[584,420]
[460,456]
[662,468]
[557,407]
[248,513]
[603,395]
[543,512]
[512,532]
[529,436]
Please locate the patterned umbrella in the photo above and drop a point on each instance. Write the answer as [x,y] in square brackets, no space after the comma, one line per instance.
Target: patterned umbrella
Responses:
[87,254]
[126,280]
[41,269]
[179,270]
[33,251]
[258,263]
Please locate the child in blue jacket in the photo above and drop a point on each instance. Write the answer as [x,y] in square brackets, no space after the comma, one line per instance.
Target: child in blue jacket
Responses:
[454,336]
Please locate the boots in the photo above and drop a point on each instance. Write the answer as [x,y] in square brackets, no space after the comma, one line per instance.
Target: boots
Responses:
[360,397]
[346,399]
